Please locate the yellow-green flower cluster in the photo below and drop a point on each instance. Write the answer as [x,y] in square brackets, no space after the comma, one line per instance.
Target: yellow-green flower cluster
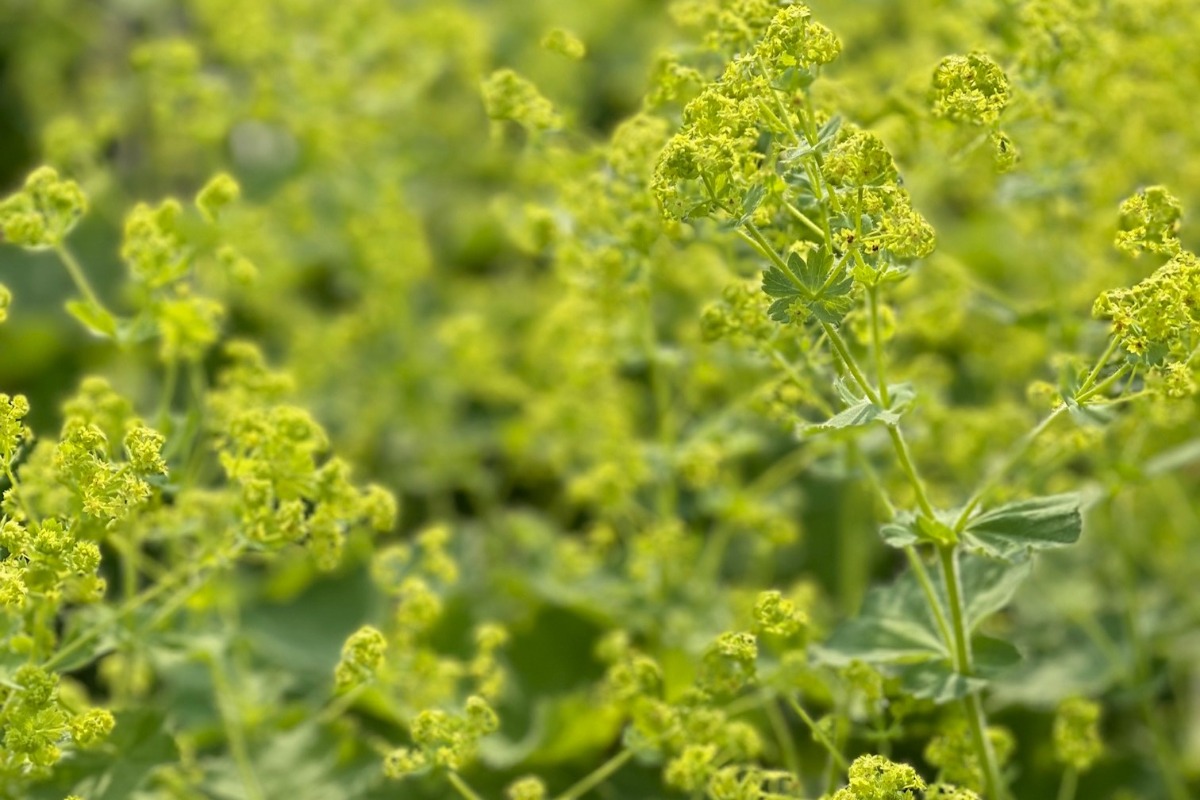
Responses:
[859,158]
[220,192]
[13,430]
[362,655]
[37,725]
[565,43]
[795,39]
[1160,316]
[776,615]
[875,777]
[443,739]
[971,89]
[729,664]
[275,454]
[106,489]
[953,753]
[508,96]
[1150,222]
[527,788]
[43,212]
[974,90]
[1077,740]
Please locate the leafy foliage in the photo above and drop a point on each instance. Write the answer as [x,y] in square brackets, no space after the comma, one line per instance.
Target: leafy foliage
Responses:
[591,400]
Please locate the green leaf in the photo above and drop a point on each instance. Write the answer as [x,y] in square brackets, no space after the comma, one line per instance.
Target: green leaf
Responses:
[1037,524]
[806,284]
[900,532]
[750,203]
[895,626]
[93,317]
[863,412]
[989,585]
[937,681]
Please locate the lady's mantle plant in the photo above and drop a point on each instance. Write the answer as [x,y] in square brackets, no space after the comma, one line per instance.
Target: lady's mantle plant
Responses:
[740,436]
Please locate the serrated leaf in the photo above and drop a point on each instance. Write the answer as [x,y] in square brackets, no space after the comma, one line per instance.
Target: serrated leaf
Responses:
[895,626]
[863,412]
[1036,524]
[93,317]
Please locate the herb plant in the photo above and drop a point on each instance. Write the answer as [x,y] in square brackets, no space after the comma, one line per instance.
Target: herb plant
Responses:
[732,399]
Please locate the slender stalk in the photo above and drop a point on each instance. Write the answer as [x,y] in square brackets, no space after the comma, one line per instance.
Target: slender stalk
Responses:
[755,236]
[1082,397]
[1095,373]
[1003,467]
[843,351]
[461,786]
[804,219]
[877,343]
[931,597]
[950,574]
[77,275]
[597,777]
[910,470]
[821,737]
[779,725]
[972,704]
[1070,780]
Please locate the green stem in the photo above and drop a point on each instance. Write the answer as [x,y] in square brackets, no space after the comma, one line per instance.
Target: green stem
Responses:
[877,344]
[597,777]
[1003,467]
[972,704]
[910,470]
[819,735]
[77,275]
[843,351]
[1095,373]
[931,597]
[1070,780]
[962,647]
[1082,397]
[755,235]
[461,786]
[783,734]
[804,219]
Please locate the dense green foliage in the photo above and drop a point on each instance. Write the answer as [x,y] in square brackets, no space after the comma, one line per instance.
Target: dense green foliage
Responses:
[722,399]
